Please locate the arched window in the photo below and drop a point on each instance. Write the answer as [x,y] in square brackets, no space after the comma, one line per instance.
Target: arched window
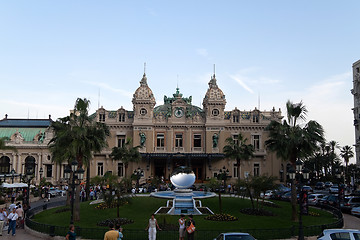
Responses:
[29,163]
[4,165]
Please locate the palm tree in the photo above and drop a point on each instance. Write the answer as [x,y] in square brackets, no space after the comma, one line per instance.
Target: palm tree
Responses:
[77,137]
[346,153]
[126,153]
[292,141]
[238,149]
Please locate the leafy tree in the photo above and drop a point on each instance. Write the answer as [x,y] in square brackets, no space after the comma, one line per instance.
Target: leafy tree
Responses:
[346,153]
[126,153]
[77,137]
[238,149]
[215,185]
[292,141]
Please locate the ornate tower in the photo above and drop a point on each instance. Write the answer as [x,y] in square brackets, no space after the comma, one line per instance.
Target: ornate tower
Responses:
[143,103]
[214,102]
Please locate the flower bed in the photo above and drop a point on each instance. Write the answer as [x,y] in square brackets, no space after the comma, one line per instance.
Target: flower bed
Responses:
[121,221]
[223,217]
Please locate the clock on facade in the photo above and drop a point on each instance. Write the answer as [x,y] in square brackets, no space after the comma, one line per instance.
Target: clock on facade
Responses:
[179,112]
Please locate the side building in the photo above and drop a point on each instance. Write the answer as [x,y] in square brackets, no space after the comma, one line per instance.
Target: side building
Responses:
[356,110]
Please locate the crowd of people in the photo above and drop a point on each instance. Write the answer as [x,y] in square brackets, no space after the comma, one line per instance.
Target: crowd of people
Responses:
[12,218]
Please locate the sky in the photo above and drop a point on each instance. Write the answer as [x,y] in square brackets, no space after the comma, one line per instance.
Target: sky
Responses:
[265,53]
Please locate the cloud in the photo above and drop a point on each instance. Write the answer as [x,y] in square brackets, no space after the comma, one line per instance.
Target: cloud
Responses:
[108,87]
[241,80]
[202,52]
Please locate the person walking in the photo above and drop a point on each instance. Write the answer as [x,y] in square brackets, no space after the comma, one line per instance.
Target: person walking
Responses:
[71,235]
[182,222]
[112,234]
[119,229]
[20,212]
[12,221]
[3,216]
[152,227]
[191,221]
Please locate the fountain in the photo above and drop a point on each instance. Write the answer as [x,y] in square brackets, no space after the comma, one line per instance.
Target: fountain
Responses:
[183,199]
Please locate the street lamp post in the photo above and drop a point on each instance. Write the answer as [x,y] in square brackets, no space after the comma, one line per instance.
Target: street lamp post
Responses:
[12,175]
[41,173]
[300,174]
[223,174]
[75,173]
[138,173]
[338,175]
[29,175]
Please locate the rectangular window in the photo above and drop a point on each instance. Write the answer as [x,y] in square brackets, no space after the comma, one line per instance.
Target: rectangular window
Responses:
[121,117]
[121,141]
[235,170]
[160,140]
[197,140]
[101,117]
[100,169]
[235,139]
[48,170]
[256,169]
[178,140]
[120,169]
[255,118]
[256,142]
[236,118]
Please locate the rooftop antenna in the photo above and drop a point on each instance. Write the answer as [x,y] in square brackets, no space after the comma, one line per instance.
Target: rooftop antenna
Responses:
[28,113]
[144,67]
[214,69]
[259,101]
[99,99]
[177,81]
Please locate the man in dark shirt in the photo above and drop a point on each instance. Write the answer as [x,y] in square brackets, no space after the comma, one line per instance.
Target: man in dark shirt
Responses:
[191,220]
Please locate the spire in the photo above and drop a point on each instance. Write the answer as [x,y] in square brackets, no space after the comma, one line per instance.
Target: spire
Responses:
[212,83]
[143,81]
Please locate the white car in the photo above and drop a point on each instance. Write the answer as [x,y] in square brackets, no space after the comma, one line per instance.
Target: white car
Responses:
[234,236]
[355,211]
[313,199]
[339,234]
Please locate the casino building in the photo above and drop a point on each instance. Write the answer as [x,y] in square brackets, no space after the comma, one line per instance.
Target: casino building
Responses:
[176,133]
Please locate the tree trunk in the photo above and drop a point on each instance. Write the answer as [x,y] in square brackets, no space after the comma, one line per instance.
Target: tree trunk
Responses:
[68,198]
[77,204]
[220,203]
[238,167]
[87,186]
[294,216]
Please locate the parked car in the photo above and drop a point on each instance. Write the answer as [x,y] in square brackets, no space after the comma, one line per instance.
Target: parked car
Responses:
[349,203]
[268,194]
[278,194]
[331,200]
[53,193]
[337,234]
[234,236]
[307,188]
[313,199]
[355,211]
[328,184]
[320,185]
[334,188]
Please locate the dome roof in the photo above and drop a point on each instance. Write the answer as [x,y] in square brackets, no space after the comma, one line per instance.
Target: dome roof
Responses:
[214,92]
[143,92]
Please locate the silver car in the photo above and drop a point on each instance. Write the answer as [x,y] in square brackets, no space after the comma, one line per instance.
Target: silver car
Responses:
[234,236]
[340,234]
[355,211]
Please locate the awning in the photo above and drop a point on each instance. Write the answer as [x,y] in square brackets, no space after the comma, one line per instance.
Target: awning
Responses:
[14,185]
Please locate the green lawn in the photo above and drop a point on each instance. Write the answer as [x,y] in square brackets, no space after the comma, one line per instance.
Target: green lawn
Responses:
[141,208]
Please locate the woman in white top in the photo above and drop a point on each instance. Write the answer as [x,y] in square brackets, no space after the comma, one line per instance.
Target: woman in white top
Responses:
[152,227]
[182,222]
